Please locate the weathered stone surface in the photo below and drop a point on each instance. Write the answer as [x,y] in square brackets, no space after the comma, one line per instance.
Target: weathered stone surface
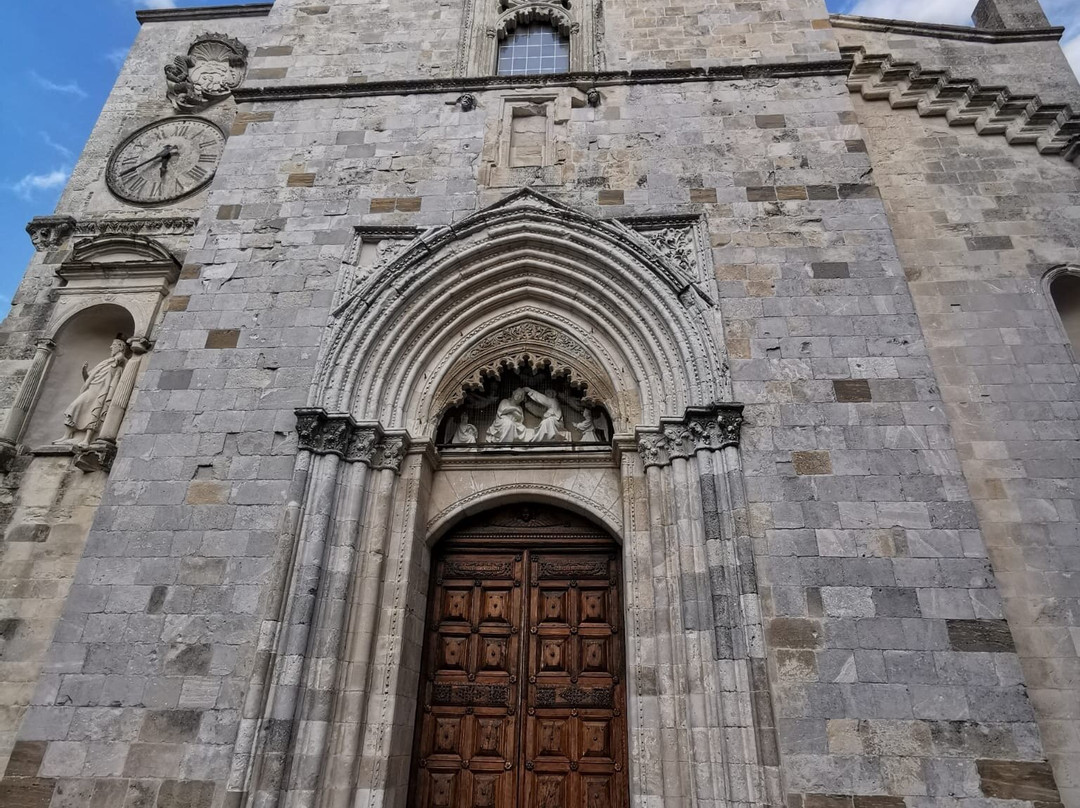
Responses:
[821,591]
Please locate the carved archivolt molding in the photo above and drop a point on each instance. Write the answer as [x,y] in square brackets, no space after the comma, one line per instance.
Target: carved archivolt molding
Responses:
[213,67]
[525,13]
[399,335]
[528,342]
[324,433]
[702,428]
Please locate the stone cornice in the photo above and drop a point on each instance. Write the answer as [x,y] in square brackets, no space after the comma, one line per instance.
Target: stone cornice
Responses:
[50,232]
[582,81]
[939,31]
[1054,129]
[203,13]
[325,433]
[700,429]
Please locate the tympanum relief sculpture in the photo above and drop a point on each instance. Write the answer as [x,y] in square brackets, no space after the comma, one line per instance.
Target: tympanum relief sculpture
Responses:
[525,406]
[85,415]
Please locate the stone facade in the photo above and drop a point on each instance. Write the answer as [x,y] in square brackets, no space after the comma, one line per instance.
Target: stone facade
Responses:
[801,262]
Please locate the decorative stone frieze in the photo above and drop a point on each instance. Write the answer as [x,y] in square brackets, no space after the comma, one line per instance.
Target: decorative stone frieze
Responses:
[323,433]
[50,232]
[710,428]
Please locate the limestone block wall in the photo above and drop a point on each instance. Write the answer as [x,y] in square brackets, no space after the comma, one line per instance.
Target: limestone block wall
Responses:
[892,672]
[46,505]
[977,224]
[700,33]
[359,42]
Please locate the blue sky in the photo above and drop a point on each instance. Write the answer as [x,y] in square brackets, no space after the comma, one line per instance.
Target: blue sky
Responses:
[61,58]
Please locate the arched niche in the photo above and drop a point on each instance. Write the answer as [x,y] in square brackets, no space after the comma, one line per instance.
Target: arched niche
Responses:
[84,339]
[1063,285]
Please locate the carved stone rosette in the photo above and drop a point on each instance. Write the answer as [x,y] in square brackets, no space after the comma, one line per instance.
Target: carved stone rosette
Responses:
[324,433]
[711,428]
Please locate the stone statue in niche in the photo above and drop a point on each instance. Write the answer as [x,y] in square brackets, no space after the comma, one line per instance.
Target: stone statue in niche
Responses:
[525,406]
[84,415]
[593,428]
[465,432]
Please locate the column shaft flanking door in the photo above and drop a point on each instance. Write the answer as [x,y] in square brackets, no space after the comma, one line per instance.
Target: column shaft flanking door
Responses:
[522,696]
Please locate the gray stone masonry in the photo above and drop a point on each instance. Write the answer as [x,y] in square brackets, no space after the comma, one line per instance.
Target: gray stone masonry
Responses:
[908,456]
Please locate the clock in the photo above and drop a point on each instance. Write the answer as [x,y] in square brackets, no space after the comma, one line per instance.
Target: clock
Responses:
[165,161]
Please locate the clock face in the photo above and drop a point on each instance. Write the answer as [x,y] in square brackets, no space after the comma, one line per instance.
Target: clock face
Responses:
[165,161]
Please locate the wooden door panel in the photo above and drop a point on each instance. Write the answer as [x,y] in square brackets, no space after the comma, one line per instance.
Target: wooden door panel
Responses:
[522,702]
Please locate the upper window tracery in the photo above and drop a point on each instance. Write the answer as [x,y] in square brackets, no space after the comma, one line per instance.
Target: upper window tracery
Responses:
[536,48]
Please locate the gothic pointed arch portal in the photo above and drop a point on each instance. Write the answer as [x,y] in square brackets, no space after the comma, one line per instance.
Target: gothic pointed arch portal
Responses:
[522,700]
[586,314]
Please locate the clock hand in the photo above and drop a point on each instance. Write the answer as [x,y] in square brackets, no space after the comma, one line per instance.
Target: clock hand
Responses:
[165,153]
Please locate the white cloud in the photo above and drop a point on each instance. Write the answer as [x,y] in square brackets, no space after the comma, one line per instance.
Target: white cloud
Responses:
[61,148]
[32,183]
[117,57]
[950,12]
[1072,51]
[155,3]
[71,88]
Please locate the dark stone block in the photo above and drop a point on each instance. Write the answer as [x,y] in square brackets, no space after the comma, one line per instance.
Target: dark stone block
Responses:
[175,380]
[978,243]
[865,801]
[26,757]
[170,726]
[980,636]
[761,193]
[852,390]
[189,660]
[1018,780]
[223,338]
[827,801]
[857,191]
[157,599]
[793,632]
[822,192]
[26,792]
[185,794]
[610,197]
[770,121]
[831,270]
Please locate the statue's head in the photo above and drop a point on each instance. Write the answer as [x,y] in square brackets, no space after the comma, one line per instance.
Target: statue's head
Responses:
[518,395]
[118,347]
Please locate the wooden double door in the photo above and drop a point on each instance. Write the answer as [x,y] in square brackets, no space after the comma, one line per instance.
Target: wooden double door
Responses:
[522,694]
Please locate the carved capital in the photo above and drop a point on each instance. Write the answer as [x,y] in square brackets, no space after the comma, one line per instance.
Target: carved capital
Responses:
[362,445]
[391,452]
[700,429]
[324,433]
[49,232]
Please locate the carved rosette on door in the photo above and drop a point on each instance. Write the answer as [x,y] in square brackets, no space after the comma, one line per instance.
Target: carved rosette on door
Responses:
[522,701]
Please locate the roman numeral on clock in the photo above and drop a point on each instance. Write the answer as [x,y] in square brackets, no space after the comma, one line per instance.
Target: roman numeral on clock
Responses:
[197,173]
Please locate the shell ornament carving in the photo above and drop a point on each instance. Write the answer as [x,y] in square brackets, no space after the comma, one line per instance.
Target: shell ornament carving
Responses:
[213,67]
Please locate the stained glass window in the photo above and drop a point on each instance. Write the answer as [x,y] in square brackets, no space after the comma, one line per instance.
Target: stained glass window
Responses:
[534,48]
